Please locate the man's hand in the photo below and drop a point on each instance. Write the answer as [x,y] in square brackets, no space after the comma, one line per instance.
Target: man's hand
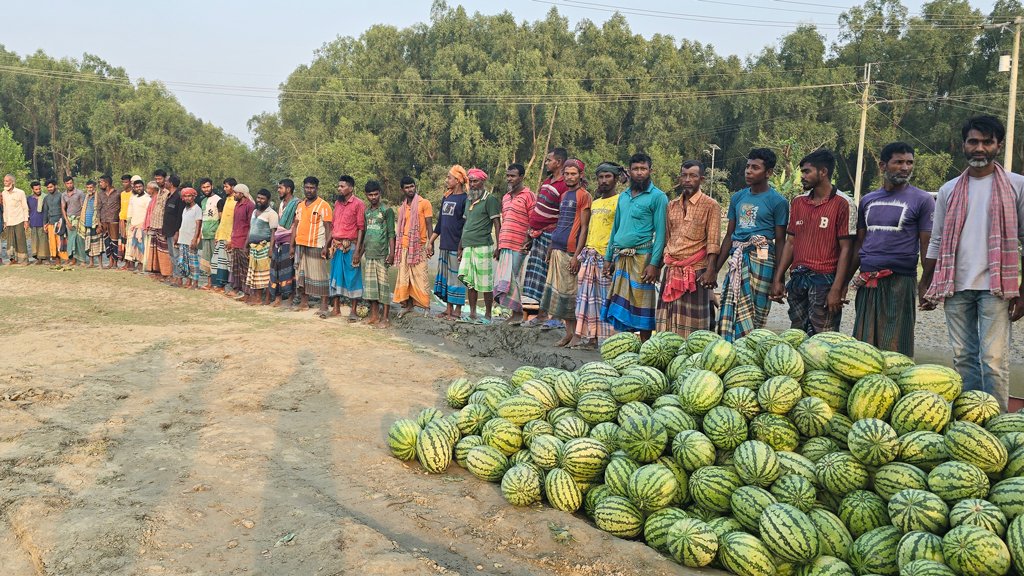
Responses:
[291,252]
[390,260]
[574,266]
[26,224]
[430,251]
[1016,308]
[497,253]
[195,244]
[547,256]
[356,259]
[326,252]
[459,254]
[526,246]
[835,301]
[609,269]
[925,304]
[778,293]
[650,274]
[708,279]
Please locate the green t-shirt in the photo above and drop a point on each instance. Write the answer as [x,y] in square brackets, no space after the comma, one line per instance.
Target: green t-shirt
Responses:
[380,225]
[477,231]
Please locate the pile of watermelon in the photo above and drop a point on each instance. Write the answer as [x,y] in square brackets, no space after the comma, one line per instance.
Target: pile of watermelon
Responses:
[774,455]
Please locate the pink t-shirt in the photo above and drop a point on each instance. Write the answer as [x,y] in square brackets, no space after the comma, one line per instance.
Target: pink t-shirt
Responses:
[349,219]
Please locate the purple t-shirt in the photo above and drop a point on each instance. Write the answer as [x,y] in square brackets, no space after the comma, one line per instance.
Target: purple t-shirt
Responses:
[894,221]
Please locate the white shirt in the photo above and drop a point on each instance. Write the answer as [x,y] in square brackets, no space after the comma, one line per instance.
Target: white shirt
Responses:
[137,207]
[190,220]
[15,206]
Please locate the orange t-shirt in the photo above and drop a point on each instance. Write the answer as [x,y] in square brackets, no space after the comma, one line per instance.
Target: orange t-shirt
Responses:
[426,211]
[313,222]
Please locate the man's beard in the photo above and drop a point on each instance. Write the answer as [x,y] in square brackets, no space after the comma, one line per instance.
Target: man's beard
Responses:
[896,179]
[474,195]
[605,188]
[977,163]
[641,185]
[138,193]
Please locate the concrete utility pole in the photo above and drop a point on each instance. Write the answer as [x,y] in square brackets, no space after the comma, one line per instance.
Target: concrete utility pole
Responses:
[863,128]
[1011,113]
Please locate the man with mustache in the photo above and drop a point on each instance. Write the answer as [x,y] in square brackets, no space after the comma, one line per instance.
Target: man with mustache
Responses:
[542,223]
[516,206]
[973,262]
[893,223]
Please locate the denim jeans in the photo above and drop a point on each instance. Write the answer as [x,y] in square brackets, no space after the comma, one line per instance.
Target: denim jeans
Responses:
[174,253]
[979,330]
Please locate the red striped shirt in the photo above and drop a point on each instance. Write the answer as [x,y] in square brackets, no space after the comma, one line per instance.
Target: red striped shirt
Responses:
[815,230]
[515,218]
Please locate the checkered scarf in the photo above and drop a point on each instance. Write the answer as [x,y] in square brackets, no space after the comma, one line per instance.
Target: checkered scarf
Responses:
[1003,255]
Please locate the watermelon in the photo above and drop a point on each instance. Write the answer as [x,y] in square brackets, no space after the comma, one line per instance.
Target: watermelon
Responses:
[562,491]
[896,363]
[617,473]
[926,568]
[520,457]
[779,394]
[584,458]
[953,481]
[674,342]
[745,376]
[619,343]
[756,463]
[793,463]
[643,438]
[725,427]
[571,427]
[814,448]
[742,400]
[521,486]
[973,551]
[675,420]
[593,383]
[747,503]
[698,340]
[503,435]
[757,335]
[565,385]
[913,509]
[825,566]
[853,360]
[725,458]
[629,387]
[446,425]
[594,496]
[463,446]
[597,407]
[975,406]
[968,442]
[827,386]
[428,415]
[472,417]
[434,450]
[520,375]
[712,486]
[618,516]
[841,473]
[632,410]
[676,367]
[788,533]
[495,394]
[839,429]
[745,555]
[766,344]
[862,511]
[655,382]
[1012,440]
[812,417]
[941,380]
[458,392]
[682,494]
[783,360]
[776,431]
[1014,463]
[835,538]
[919,545]
[832,337]
[979,513]
[1008,495]
[746,357]
[1006,424]
[703,514]
[719,356]
[606,433]
[875,552]
[671,400]
[815,354]
[651,487]
[873,396]
[873,442]
[693,450]
[1015,542]
[402,439]
[691,542]
[926,450]
[486,463]
[794,336]
[602,368]
[535,428]
[520,409]
[920,411]
[796,491]
[558,413]
[657,525]
[700,391]
[896,476]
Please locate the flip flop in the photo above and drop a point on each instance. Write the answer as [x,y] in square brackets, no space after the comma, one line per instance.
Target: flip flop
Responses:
[320,314]
[552,324]
[483,321]
[531,323]
[467,320]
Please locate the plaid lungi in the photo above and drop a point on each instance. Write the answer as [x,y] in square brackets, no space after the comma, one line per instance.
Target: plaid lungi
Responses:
[631,302]
[346,279]
[686,314]
[258,276]
[887,314]
[122,241]
[412,283]
[111,240]
[476,270]
[750,311]
[93,242]
[239,267]
[593,292]
[136,244]
[17,242]
[40,243]
[376,287]
[188,262]
[447,285]
[536,268]
[507,287]
[559,297]
[220,265]
[807,296]
[282,272]
[312,271]
[206,248]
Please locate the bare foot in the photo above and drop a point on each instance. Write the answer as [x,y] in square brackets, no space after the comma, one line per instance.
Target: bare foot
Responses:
[369,321]
[405,311]
[385,323]
[563,342]
[335,312]
[277,302]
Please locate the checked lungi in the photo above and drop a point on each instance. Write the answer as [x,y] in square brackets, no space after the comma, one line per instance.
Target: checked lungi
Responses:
[376,285]
[559,297]
[536,268]
[111,235]
[593,292]
[886,312]
[476,271]
[346,279]
[807,296]
[282,271]
[239,267]
[745,302]
[188,262]
[220,265]
[507,285]
[40,243]
[312,272]
[136,244]
[631,302]
[206,248]
[687,313]
[258,276]
[93,242]
[412,283]
[447,286]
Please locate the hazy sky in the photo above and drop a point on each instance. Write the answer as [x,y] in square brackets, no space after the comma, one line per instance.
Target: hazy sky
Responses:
[257,43]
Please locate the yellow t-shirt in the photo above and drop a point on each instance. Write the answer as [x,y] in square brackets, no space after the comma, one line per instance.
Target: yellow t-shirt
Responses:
[125,197]
[227,220]
[602,216]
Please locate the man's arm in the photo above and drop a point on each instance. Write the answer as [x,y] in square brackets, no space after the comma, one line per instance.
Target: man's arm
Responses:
[357,256]
[855,257]
[291,244]
[497,233]
[837,295]
[574,263]
[726,249]
[199,232]
[713,243]
[780,236]
[778,293]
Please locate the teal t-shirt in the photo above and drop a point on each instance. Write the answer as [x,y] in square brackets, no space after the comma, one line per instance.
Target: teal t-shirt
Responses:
[477,231]
[757,214]
[380,225]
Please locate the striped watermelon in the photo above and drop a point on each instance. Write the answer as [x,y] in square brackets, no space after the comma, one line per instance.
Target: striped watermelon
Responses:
[825,566]
[873,442]
[873,396]
[839,429]
[796,491]
[1006,424]
[402,439]
[794,336]
[723,525]
[757,335]
[478,397]
[776,431]
[521,457]
[703,514]
[827,386]
[606,433]
[968,442]
[535,428]
[712,486]
[746,357]
[835,538]
[542,391]
[520,375]
[700,391]
[747,503]
[1008,495]
[913,509]
[744,376]
[756,463]
[620,343]
[651,487]
[725,427]
[495,394]
[875,552]
[1014,463]
[1015,542]
[896,476]
[584,458]
[428,415]
[926,568]
[446,425]
[862,511]
[812,417]
[520,409]
[920,411]
[458,392]
[623,362]
[521,486]
[1012,440]
[814,448]
[656,352]
[629,387]
[597,407]
[779,394]
[670,399]
[691,542]
[593,383]
[486,463]
[676,367]
[766,344]
[463,446]
[973,551]
[657,524]
[565,386]
[783,360]
[562,491]
[725,458]
[745,555]
[602,368]
[853,360]
[594,496]
[503,435]
[926,450]
[931,377]
[742,400]
[558,413]
[571,427]
[675,420]
[840,473]
[719,356]
[815,354]
[895,363]
[693,450]
[617,473]
[788,533]
[655,381]
[698,340]
[953,481]
[618,516]
[832,337]
[980,513]
[488,382]
[643,438]
[632,410]
[975,406]
[919,545]
[682,494]
[433,450]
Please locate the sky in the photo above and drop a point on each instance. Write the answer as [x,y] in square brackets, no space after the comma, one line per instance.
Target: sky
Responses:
[257,43]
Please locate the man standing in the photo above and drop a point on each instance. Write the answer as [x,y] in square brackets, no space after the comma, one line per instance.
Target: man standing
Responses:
[893,223]
[126,196]
[412,232]
[138,207]
[819,248]
[476,247]
[634,252]
[282,271]
[516,206]
[973,263]
[543,220]
[208,204]
[262,229]
[15,207]
[187,239]
[159,261]
[56,231]
[89,227]
[310,245]
[172,221]
[758,216]
[378,254]
[37,223]
[559,298]
[346,242]
[220,264]
[692,243]
[71,209]
[108,204]
[447,286]
[242,219]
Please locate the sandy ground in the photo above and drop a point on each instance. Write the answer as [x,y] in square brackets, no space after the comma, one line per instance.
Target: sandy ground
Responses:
[148,430]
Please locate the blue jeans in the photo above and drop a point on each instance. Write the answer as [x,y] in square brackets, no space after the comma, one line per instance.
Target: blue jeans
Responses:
[979,330]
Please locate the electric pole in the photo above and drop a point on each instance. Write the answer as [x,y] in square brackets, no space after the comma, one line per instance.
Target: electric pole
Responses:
[1011,113]
[863,128]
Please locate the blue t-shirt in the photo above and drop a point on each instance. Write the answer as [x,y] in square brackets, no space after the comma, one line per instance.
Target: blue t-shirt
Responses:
[450,222]
[892,224]
[756,214]
[88,210]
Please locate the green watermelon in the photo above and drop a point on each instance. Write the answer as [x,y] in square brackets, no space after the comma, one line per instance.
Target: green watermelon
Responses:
[402,439]
[766,344]
[747,503]
[520,375]
[458,392]
[593,383]
[895,363]
[979,513]
[788,533]
[657,525]
[839,429]
[632,410]
[913,509]
[873,396]
[779,394]
[742,400]
[968,442]
[693,450]
[463,446]
[472,417]
[584,458]
[617,473]
[1006,424]
[825,566]
[841,473]
[920,410]
[520,409]
[655,382]
[1015,543]
[975,406]
[495,394]
[597,407]
[926,450]
[953,481]
[926,568]
[827,386]
[875,552]
[535,428]
[719,356]
[896,476]
[691,542]
[725,427]
[815,354]
[571,427]
[503,435]
[700,391]
[873,442]
[1008,495]
[562,491]
[603,368]
[486,463]
[815,448]
[682,494]
[428,415]
[698,340]
[941,380]
[593,497]
[606,433]
[619,343]
[776,431]
[521,486]
[835,538]
[919,545]
[434,450]
[618,516]
[862,511]
[712,486]
[853,360]
[651,487]
[783,360]
[745,555]
[973,551]
[744,376]
[796,491]
[756,463]
[812,417]
[793,463]
[675,420]
[643,438]
[565,385]
[794,336]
